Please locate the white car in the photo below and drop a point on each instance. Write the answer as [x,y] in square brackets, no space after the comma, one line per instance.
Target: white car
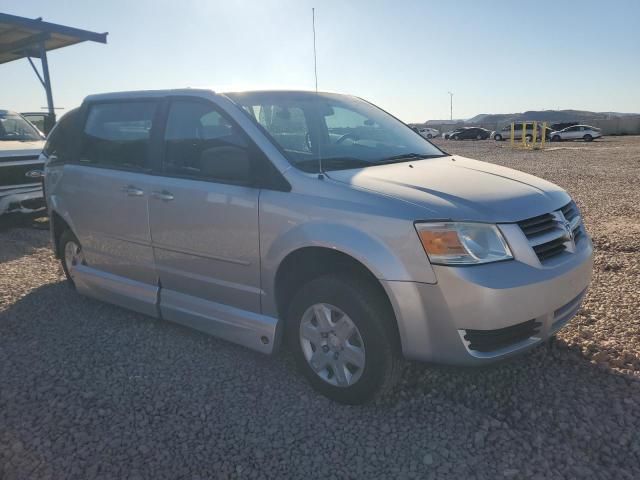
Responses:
[577,132]
[427,132]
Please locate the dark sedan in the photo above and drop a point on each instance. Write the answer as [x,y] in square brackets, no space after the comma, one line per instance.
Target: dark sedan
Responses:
[470,133]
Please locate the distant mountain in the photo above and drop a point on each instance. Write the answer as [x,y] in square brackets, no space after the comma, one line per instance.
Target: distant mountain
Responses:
[552,116]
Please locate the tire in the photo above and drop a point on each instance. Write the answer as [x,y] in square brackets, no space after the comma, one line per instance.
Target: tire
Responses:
[479,137]
[498,137]
[555,138]
[429,136]
[66,246]
[588,138]
[343,299]
[455,137]
[528,138]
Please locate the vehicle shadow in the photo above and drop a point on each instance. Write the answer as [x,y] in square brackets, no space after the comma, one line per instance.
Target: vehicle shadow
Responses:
[62,354]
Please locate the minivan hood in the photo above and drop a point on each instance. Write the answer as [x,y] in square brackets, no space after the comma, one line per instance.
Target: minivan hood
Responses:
[12,148]
[458,188]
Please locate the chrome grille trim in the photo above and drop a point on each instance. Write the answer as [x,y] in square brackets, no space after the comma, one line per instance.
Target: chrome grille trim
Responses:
[553,234]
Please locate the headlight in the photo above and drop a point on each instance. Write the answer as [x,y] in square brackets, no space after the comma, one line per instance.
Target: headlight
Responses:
[463,243]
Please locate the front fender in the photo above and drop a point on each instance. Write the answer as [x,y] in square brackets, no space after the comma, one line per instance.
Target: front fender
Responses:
[381,260]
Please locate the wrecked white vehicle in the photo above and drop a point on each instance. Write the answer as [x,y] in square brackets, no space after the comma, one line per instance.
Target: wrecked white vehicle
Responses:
[20,168]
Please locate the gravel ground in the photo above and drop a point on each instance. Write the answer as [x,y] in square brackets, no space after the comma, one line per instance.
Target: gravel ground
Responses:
[88,390]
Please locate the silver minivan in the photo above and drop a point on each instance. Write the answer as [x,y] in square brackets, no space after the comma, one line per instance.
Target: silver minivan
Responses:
[312,219]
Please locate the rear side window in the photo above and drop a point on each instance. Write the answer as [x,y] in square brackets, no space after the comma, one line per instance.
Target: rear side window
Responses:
[118,134]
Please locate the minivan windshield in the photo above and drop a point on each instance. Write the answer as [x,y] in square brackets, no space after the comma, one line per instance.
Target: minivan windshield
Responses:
[14,127]
[321,131]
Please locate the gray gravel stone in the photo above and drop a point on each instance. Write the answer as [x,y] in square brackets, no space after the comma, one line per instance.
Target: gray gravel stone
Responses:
[90,390]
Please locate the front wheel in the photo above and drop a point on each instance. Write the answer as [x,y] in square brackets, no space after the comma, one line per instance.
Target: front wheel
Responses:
[498,137]
[341,336]
[429,136]
[528,138]
[555,138]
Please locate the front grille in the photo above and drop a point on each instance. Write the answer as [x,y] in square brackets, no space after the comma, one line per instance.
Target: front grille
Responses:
[13,170]
[538,225]
[547,234]
[570,211]
[550,249]
[491,340]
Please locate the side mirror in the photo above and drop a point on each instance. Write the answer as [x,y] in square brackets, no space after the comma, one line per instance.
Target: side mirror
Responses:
[228,163]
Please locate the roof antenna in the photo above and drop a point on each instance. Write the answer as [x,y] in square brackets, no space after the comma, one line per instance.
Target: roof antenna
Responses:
[315,63]
[315,71]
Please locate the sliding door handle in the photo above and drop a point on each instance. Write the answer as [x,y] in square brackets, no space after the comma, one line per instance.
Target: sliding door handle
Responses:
[163,195]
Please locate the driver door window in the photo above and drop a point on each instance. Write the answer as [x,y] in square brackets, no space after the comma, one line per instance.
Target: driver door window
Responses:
[201,143]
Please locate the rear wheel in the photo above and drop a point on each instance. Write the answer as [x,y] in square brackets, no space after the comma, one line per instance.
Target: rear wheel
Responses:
[340,333]
[70,253]
[528,138]
[478,137]
[429,136]
[587,138]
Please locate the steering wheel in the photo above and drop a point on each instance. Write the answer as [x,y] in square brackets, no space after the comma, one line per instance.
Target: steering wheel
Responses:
[352,136]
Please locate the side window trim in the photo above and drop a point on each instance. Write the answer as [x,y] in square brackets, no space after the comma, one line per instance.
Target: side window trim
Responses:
[84,117]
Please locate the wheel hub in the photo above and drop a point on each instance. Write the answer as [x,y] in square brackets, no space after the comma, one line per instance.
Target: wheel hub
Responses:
[335,342]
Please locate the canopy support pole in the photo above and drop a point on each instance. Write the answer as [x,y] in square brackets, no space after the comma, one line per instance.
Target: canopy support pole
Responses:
[47,82]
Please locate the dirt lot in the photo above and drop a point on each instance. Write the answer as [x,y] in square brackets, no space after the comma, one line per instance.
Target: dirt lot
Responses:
[88,390]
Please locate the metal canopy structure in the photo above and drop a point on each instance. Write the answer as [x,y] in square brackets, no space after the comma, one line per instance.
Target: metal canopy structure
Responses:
[22,37]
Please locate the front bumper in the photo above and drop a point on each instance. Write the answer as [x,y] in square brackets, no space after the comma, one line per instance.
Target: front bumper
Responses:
[434,319]
[23,199]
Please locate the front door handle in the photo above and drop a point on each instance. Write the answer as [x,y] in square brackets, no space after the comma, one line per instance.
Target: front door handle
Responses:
[132,191]
[163,195]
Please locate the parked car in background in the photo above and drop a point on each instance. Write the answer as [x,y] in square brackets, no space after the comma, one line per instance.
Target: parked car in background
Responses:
[449,134]
[20,166]
[315,219]
[41,120]
[577,132]
[562,125]
[427,132]
[505,132]
[470,133]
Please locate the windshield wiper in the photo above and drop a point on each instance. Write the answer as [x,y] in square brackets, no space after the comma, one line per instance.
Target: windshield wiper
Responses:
[338,163]
[406,156]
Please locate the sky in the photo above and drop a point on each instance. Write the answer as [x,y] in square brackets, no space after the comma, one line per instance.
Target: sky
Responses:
[403,55]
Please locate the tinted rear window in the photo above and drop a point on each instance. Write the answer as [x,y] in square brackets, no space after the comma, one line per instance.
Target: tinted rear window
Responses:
[118,134]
